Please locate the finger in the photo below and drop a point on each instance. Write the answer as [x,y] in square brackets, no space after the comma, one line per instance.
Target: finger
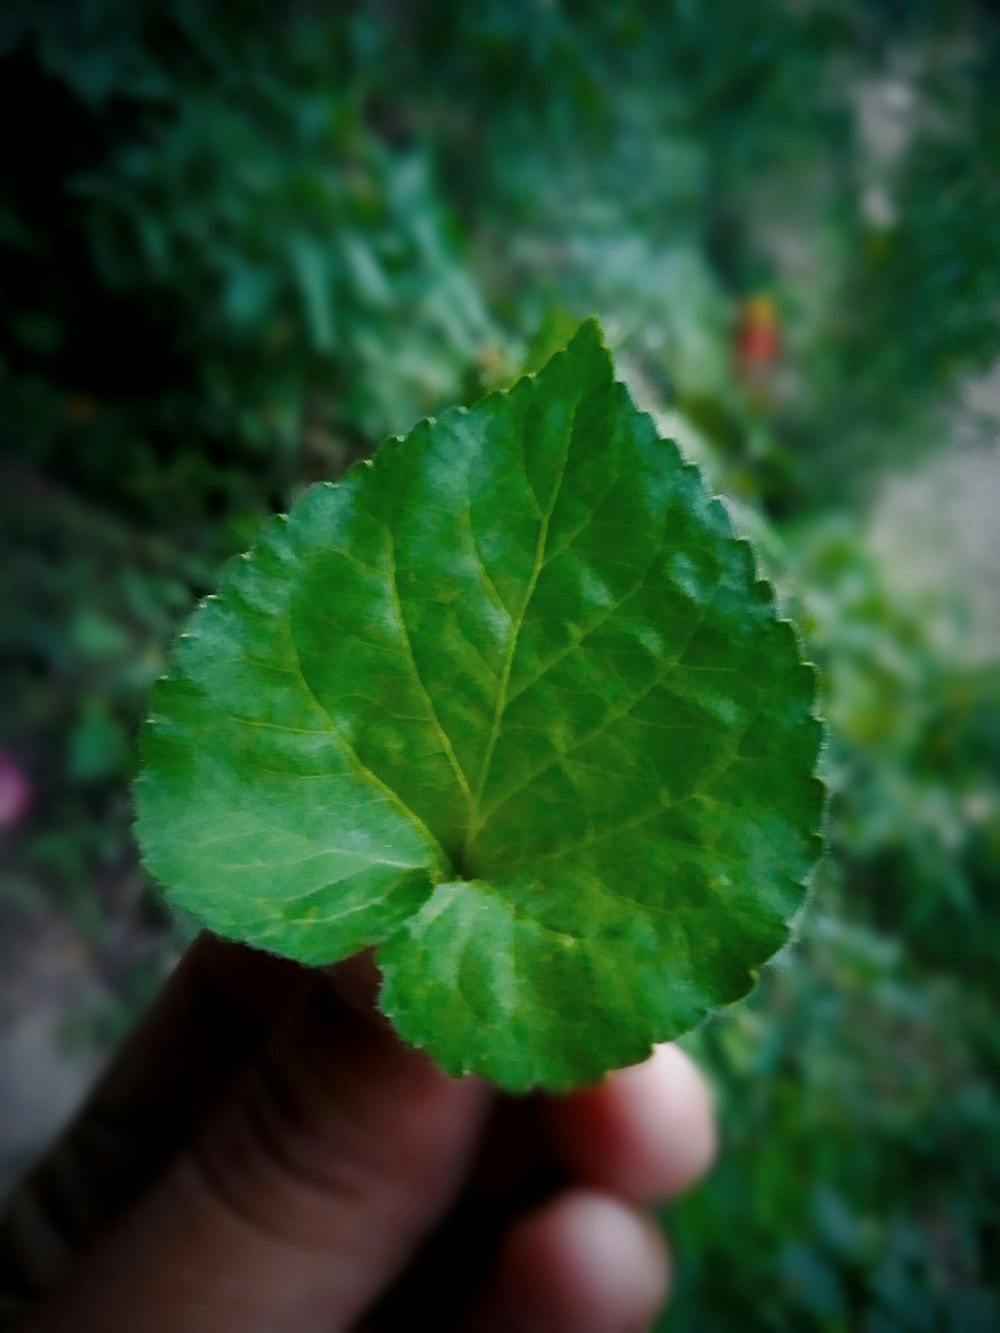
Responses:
[513,1172]
[645,1133]
[305,1193]
[583,1263]
[208,1020]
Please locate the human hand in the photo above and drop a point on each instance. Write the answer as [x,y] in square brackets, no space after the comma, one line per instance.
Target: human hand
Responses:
[266,1155]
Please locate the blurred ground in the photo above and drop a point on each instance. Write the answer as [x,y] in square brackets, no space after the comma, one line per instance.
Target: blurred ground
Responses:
[47,981]
[938,530]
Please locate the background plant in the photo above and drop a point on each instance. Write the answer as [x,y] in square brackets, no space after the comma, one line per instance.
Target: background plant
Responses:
[241,244]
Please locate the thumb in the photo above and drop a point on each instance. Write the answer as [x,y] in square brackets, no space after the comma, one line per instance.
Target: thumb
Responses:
[304,1194]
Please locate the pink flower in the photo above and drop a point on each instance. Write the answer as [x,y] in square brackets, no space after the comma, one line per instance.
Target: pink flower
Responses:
[15,793]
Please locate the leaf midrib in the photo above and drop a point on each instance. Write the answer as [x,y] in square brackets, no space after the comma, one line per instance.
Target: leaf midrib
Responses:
[517,622]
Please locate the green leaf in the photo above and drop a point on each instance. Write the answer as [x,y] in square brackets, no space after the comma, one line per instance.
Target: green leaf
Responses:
[511,704]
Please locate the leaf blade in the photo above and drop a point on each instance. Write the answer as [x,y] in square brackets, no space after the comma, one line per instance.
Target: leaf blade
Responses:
[517,696]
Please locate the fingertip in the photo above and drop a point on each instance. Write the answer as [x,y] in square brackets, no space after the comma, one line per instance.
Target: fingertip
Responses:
[648,1132]
[582,1261]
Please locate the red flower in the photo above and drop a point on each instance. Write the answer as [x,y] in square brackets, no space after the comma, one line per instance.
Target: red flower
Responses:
[757,340]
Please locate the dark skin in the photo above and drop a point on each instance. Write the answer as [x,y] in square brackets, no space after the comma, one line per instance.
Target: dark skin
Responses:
[265,1155]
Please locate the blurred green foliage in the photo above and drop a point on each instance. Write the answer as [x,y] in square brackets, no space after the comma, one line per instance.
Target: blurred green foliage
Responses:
[240,244]
[859,1186]
[859,1084]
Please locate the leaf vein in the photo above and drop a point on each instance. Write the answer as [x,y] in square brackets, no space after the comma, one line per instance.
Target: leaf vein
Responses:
[615,715]
[411,659]
[392,796]
[475,821]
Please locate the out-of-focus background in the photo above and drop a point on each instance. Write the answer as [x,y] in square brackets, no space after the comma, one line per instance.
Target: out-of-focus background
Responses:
[241,243]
